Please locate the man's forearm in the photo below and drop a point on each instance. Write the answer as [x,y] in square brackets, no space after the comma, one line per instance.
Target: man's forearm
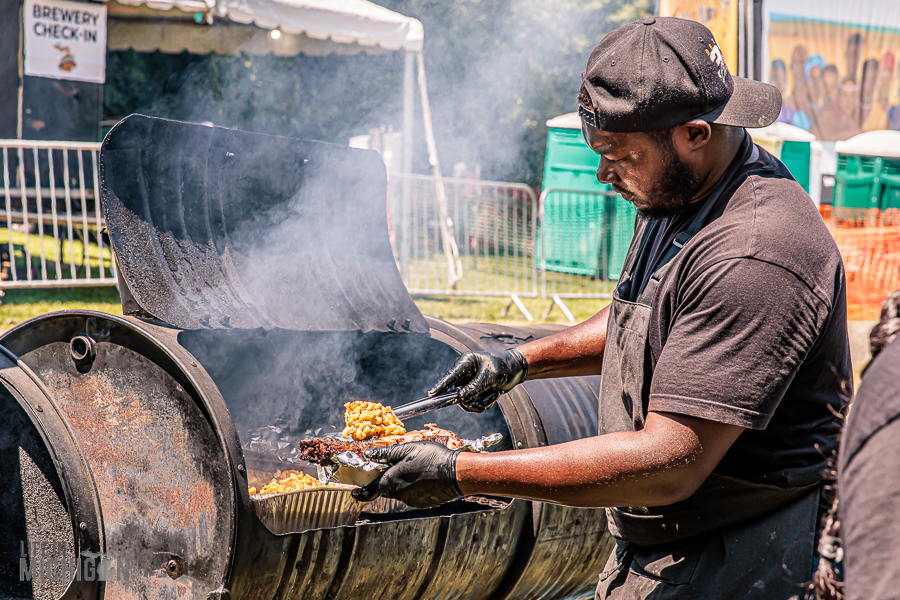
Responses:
[576,351]
[594,472]
[661,464]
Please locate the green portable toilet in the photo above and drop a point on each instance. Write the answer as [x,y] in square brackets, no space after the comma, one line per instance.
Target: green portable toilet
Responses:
[570,164]
[791,145]
[574,229]
[868,171]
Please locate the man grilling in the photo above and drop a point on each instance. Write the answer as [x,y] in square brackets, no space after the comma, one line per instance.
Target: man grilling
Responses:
[724,355]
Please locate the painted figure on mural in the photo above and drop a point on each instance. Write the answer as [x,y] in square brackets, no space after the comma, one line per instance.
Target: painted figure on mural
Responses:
[797,100]
[831,105]
[867,90]
[812,76]
[853,54]
[877,118]
[894,114]
[849,109]
[779,80]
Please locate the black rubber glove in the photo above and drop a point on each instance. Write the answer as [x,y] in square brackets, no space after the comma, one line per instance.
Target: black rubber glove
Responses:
[482,377]
[423,474]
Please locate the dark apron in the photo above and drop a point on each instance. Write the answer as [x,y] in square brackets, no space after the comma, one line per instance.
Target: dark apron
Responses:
[676,543]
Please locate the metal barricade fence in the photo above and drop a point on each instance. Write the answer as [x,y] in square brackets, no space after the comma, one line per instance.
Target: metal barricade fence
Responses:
[50,229]
[491,228]
[583,240]
[457,237]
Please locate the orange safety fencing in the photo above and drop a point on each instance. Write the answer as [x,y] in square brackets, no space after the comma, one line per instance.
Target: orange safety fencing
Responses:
[869,241]
[860,217]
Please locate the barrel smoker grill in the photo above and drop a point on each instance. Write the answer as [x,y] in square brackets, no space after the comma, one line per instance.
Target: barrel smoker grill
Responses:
[260,295]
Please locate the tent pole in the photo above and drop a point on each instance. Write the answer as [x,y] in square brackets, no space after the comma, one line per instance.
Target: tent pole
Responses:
[406,168]
[20,92]
[448,239]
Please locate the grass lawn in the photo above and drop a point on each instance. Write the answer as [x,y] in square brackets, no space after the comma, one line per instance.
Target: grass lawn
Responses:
[487,310]
[67,255]
[19,305]
[503,273]
[500,274]
[22,304]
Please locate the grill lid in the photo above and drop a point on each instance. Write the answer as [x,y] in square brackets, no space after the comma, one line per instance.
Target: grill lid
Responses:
[218,228]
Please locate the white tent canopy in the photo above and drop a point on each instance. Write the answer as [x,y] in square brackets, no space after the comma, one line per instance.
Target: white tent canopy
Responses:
[312,27]
[309,27]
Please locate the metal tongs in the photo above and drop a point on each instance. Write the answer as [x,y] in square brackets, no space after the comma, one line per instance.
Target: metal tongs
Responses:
[426,405]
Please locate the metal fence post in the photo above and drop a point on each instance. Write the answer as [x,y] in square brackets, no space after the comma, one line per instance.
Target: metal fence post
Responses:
[38,196]
[543,249]
[9,244]
[23,195]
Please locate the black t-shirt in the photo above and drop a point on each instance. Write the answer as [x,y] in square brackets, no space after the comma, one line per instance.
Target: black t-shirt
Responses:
[749,327]
[659,233]
[869,482]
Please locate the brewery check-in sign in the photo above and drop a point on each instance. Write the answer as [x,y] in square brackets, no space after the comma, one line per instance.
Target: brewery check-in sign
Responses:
[65,40]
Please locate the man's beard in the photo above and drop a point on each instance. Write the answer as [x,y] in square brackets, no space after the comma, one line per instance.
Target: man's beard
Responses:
[674,189]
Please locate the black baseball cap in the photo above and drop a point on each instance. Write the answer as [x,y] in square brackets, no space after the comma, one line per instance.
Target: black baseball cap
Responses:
[659,72]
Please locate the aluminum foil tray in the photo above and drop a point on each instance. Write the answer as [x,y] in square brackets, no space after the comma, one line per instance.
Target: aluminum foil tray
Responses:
[302,510]
[383,506]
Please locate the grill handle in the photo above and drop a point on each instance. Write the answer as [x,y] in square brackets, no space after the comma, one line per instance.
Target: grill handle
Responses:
[426,405]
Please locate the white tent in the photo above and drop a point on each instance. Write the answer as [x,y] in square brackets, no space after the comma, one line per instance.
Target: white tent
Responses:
[281,27]
[312,27]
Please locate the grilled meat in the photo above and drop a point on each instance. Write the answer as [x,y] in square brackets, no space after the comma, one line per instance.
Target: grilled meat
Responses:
[319,450]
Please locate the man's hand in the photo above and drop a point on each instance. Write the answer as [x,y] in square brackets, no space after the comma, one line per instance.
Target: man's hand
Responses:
[422,474]
[482,377]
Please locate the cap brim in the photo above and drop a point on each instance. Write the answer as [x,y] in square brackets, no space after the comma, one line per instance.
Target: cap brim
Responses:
[752,104]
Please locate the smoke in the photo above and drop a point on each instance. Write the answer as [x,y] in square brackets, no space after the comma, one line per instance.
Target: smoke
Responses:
[222,232]
[519,65]
[284,386]
[496,72]
[318,98]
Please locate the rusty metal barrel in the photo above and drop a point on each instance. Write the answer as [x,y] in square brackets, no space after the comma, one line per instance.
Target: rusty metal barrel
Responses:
[144,435]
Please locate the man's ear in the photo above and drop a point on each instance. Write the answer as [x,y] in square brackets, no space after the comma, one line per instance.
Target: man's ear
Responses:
[693,135]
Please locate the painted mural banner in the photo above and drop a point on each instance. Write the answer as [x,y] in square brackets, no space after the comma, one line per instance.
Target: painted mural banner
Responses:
[65,40]
[835,63]
[719,16]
